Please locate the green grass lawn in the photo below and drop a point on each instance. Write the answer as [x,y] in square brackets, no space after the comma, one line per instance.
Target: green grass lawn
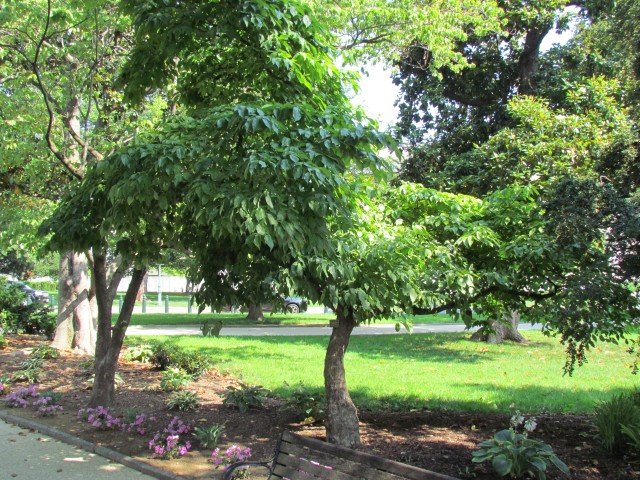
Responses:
[434,371]
[238,319]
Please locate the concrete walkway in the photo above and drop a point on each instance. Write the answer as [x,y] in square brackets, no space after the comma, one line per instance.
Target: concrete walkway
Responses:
[285,331]
[33,451]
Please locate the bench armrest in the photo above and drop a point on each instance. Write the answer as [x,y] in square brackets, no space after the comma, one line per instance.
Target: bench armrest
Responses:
[227,474]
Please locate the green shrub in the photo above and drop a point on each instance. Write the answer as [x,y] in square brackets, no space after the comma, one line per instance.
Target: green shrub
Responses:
[611,415]
[194,363]
[138,353]
[208,437]
[309,406]
[167,355]
[163,355]
[39,321]
[174,379]
[244,396]
[32,363]
[45,352]
[183,401]
[28,376]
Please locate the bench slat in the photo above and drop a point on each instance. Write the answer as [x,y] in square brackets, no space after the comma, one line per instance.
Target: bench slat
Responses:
[293,473]
[363,460]
[340,468]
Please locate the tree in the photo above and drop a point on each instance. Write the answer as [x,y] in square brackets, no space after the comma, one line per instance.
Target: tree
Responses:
[250,172]
[61,115]
[470,132]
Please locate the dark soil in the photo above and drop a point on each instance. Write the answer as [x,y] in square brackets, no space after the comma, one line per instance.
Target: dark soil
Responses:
[441,441]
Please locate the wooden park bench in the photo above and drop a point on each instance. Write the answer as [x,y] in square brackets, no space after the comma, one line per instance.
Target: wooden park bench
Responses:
[303,458]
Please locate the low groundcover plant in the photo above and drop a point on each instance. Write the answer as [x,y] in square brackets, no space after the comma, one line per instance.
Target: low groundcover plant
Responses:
[166,444]
[47,406]
[20,398]
[232,455]
[100,418]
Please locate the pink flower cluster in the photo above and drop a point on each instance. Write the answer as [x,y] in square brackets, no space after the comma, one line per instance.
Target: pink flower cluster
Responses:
[138,424]
[234,454]
[166,444]
[20,396]
[45,407]
[100,417]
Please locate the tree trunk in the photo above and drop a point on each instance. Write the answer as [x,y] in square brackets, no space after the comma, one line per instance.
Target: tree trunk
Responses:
[109,339]
[255,313]
[529,61]
[507,329]
[143,288]
[76,328]
[342,417]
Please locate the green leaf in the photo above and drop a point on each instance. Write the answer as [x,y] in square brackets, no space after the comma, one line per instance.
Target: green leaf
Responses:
[502,465]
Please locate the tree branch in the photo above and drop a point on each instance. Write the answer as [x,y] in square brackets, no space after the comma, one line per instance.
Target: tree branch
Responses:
[52,146]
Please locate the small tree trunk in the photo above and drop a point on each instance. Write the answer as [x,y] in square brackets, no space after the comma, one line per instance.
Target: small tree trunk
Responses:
[109,339]
[76,322]
[507,329]
[143,288]
[255,313]
[342,417]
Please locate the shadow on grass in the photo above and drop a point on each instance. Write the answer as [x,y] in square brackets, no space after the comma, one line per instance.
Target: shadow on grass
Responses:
[428,346]
[530,399]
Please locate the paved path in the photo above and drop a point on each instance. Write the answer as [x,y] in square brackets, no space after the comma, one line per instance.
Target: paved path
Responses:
[284,331]
[29,455]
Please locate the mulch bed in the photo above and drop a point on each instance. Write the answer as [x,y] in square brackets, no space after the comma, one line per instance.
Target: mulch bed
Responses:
[441,441]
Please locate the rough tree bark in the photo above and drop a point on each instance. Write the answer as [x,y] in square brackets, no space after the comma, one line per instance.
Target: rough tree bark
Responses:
[109,339]
[76,327]
[342,422]
[507,329]
[255,313]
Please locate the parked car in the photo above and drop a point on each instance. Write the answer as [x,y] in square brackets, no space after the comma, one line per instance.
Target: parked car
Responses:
[295,305]
[291,305]
[33,295]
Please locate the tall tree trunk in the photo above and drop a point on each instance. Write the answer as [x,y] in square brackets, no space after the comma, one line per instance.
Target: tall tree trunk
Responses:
[76,328]
[342,417]
[255,313]
[109,339]
[529,61]
[507,329]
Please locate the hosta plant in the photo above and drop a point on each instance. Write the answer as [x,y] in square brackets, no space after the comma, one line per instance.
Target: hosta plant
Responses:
[45,352]
[174,379]
[514,454]
[208,436]
[183,401]
[244,396]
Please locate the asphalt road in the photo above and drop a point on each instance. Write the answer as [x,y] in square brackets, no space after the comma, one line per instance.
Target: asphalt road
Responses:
[286,331]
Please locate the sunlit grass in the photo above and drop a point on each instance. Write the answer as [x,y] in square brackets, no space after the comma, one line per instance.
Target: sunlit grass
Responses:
[434,371]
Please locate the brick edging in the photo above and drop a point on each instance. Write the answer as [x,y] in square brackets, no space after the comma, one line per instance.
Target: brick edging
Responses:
[90,447]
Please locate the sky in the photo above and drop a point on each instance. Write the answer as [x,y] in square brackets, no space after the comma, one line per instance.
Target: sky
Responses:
[378,93]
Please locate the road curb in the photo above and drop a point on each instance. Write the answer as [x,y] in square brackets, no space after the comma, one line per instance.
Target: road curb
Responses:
[90,447]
